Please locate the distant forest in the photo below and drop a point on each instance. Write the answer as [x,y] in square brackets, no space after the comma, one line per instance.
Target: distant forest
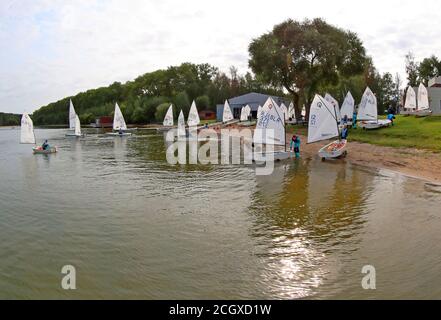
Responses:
[9,119]
[145,99]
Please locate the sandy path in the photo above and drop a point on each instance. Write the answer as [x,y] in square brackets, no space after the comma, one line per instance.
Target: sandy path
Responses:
[411,162]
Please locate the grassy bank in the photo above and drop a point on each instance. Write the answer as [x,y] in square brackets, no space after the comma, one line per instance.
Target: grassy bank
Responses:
[408,132]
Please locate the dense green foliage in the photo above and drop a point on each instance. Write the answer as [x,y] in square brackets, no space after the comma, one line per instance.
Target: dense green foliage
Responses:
[312,57]
[9,119]
[139,99]
[422,72]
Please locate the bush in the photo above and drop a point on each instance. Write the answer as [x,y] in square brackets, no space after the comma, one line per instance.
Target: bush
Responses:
[203,102]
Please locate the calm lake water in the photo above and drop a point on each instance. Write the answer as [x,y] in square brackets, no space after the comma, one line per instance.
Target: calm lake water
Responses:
[137,227]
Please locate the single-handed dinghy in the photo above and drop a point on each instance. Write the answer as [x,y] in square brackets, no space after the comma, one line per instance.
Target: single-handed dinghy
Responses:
[323,125]
[410,104]
[27,136]
[423,107]
[168,120]
[119,124]
[347,108]
[270,133]
[367,115]
[74,123]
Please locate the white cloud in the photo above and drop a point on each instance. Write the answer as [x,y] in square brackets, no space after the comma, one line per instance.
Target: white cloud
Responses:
[52,49]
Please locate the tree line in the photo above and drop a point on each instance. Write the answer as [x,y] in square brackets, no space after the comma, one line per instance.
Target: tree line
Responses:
[9,119]
[296,59]
[145,99]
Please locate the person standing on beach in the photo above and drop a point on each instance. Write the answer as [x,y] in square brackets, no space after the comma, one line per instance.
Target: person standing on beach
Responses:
[354,120]
[295,145]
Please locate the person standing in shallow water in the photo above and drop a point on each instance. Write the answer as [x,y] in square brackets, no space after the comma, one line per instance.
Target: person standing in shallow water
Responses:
[295,145]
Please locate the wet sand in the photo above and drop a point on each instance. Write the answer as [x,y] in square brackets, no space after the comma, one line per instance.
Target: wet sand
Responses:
[415,163]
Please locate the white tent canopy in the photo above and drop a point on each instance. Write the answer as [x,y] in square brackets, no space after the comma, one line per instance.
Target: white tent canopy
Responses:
[270,125]
[322,121]
[118,119]
[27,130]
[367,109]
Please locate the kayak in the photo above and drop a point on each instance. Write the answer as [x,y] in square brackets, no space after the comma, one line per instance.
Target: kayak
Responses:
[39,150]
[335,149]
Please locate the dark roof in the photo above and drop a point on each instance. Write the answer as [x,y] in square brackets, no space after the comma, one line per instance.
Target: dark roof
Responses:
[253,99]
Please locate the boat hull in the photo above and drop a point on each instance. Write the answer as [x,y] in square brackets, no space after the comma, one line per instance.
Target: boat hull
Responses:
[270,157]
[372,125]
[422,113]
[39,150]
[334,150]
[116,134]
[73,135]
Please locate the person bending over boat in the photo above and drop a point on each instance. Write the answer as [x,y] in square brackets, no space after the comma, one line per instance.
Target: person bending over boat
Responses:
[344,133]
[391,117]
[45,145]
[295,145]
[354,120]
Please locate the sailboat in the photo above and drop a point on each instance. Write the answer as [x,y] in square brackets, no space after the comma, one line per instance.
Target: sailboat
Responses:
[291,114]
[227,115]
[119,123]
[347,108]
[334,102]
[323,125]
[259,111]
[74,122]
[193,116]
[181,126]
[423,108]
[367,116]
[168,120]
[270,130]
[284,111]
[27,136]
[410,104]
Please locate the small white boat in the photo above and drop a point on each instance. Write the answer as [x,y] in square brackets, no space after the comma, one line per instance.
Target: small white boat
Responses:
[334,150]
[168,121]
[270,130]
[40,150]
[27,136]
[227,115]
[423,108]
[119,124]
[368,113]
[323,125]
[77,129]
[410,104]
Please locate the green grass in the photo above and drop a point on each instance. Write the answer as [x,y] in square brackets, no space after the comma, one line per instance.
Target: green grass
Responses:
[408,132]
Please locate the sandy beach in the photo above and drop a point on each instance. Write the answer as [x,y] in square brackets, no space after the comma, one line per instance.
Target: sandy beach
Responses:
[410,162]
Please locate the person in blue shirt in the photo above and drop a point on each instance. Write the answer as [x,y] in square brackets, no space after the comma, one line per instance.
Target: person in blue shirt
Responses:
[354,120]
[295,145]
[344,133]
[391,117]
[345,119]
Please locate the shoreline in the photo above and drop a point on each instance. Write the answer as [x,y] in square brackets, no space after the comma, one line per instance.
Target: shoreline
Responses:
[410,162]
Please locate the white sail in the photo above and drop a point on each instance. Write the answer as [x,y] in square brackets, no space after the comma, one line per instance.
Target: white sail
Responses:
[27,130]
[303,114]
[322,120]
[291,111]
[284,110]
[259,110]
[227,115]
[334,102]
[193,116]
[118,119]
[270,125]
[248,110]
[77,126]
[168,119]
[347,109]
[367,110]
[181,125]
[410,99]
[72,115]
[423,98]
[243,114]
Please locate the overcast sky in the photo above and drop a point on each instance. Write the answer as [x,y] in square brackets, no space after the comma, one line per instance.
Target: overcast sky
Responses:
[53,49]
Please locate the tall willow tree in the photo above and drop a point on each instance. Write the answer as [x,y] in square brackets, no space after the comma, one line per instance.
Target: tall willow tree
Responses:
[303,56]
